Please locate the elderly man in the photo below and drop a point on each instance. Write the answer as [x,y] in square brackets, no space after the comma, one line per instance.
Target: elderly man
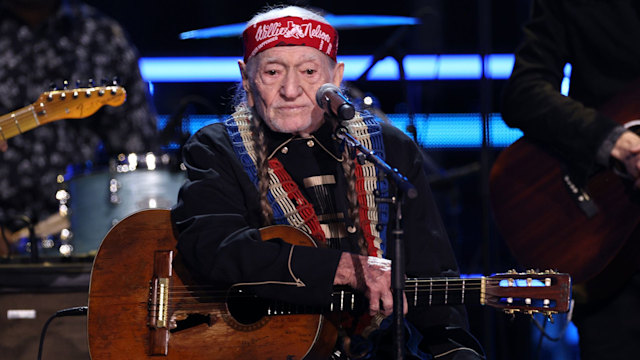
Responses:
[274,161]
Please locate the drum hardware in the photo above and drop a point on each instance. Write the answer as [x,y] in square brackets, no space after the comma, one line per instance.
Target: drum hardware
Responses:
[95,201]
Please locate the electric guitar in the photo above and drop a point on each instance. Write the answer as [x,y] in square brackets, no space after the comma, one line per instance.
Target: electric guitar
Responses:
[60,104]
[52,106]
[143,302]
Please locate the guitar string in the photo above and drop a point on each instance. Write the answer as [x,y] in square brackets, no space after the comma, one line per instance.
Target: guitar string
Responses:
[442,280]
[422,288]
[281,307]
[284,307]
[187,290]
[410,285]
[204,291]
[216,295]
[224,295]
[488,296]
[408,281]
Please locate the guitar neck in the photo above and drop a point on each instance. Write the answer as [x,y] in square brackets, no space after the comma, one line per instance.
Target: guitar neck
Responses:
[57,105]
[18,122]
[444,291]
[530,292]
[423,292]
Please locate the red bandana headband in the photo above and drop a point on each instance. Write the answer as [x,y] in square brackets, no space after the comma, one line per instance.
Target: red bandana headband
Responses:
[287,31]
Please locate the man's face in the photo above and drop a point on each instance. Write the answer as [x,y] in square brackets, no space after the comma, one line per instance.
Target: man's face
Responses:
[282,87]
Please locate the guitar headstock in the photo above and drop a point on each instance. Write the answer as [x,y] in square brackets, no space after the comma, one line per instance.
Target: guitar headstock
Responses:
[77,103]
[531,292]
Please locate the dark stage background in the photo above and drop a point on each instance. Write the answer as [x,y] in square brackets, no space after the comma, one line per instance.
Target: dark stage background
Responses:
[448,27]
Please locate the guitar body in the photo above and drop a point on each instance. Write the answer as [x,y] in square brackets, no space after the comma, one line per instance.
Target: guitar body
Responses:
[542,222]
[119,301]
[144,304]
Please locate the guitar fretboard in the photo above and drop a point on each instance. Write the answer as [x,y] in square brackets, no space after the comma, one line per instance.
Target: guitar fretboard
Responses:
[421,292]
[17,122]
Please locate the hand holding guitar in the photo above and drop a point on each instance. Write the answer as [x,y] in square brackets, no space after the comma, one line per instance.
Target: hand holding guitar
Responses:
[370,275]
[627,149]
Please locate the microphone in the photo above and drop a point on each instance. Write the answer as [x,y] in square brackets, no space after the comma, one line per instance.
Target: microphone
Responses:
[332,101]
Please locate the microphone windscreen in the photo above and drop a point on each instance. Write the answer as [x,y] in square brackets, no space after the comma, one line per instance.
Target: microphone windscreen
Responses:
[320,95]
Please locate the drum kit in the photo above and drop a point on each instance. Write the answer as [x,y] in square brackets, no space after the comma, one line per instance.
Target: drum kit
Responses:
[91,203]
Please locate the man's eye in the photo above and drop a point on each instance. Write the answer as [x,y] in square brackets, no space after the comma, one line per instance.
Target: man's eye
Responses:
[310,71]
[271,72]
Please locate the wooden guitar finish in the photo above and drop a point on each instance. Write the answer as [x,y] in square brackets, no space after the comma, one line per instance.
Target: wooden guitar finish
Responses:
[119,317]
[542,222]
[143,303]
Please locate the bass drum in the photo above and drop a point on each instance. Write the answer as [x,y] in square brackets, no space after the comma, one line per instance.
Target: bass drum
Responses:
[95,202]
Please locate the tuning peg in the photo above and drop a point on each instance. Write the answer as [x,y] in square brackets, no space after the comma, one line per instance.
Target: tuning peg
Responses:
[511,313]
[90,82]
[65,84]
[549,316]
[53,87]
[77,84]
[115,81]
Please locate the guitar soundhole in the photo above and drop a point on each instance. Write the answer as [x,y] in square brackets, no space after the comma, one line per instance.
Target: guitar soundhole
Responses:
[245,307]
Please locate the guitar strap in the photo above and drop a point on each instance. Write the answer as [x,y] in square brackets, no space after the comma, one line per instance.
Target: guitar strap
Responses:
[289,205]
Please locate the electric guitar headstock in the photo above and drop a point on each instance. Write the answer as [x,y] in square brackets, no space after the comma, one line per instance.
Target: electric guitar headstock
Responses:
[60,104]
[77,103]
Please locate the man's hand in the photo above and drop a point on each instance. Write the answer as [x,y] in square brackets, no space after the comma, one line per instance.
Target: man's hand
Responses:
[627,150]
[3,146]
[372,276]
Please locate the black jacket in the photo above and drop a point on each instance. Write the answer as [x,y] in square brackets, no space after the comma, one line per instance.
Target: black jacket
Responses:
[218,215]
[600,40]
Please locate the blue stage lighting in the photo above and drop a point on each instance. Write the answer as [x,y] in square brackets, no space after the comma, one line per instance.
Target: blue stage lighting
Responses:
[417,67]
[434,131]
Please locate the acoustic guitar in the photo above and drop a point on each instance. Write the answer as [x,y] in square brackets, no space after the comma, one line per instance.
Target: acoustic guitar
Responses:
[550,222]
[143,302]
[52,106]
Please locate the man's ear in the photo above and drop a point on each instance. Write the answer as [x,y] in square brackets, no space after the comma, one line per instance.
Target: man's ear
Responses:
[245,82]
[338,74]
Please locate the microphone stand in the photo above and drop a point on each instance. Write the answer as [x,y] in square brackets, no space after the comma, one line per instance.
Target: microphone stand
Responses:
[404,188]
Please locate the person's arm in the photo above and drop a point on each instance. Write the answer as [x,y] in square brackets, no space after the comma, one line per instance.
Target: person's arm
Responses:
[532,100]
[218,217]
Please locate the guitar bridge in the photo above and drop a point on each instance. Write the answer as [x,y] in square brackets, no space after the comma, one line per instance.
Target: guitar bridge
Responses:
[159,303]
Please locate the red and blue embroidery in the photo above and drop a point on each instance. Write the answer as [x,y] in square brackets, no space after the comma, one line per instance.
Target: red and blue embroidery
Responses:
[292,208]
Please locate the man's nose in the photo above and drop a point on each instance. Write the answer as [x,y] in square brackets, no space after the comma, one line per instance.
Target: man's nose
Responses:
[291,87]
